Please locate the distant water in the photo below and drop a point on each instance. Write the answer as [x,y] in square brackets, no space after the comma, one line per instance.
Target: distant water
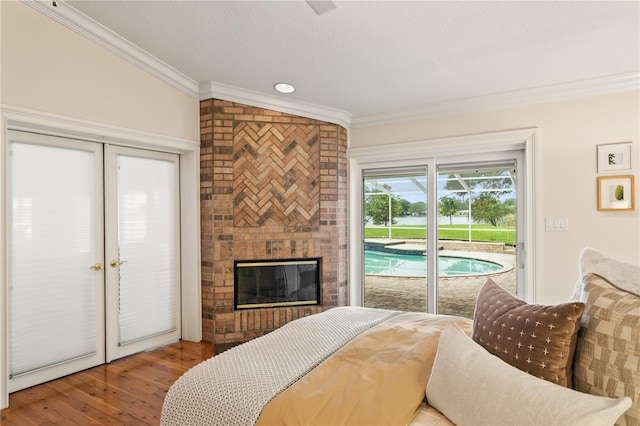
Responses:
[422,220]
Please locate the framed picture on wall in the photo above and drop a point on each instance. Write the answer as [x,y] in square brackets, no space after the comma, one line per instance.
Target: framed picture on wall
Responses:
[616,193]
[614,157]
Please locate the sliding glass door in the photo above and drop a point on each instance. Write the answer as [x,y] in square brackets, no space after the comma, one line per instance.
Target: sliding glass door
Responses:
[433,234]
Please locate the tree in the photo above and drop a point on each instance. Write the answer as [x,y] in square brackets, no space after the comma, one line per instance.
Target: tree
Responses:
[448,207]
[405,207]
[510,204]
[487,208]
[376,206]
[497,180]
[419,208]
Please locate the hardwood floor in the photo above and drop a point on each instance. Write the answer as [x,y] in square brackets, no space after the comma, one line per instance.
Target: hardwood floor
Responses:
[129,391]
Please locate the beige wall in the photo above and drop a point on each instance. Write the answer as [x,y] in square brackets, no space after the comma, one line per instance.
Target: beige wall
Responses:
[566,172]
[47,67]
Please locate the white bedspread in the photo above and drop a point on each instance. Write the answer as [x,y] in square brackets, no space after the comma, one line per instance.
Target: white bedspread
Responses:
[229,389]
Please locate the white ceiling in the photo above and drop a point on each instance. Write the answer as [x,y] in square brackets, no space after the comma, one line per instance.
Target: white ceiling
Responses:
[382,58]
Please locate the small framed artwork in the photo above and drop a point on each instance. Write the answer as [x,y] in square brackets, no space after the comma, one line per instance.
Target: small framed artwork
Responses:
[614,157]
[616,193]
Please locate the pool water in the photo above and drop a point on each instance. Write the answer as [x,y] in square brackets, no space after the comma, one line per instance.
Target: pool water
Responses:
[407,265]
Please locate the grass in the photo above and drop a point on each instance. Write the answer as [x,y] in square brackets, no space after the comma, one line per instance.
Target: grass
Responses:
[484,233]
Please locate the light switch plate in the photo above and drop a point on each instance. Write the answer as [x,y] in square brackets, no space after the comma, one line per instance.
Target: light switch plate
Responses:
[556,224]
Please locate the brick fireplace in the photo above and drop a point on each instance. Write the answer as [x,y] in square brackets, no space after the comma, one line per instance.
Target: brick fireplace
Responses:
[273,186]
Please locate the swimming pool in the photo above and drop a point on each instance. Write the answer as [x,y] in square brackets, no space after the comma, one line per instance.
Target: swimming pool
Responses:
[408,265]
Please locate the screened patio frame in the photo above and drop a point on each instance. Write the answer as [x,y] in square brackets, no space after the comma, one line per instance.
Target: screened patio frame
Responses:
[383,189]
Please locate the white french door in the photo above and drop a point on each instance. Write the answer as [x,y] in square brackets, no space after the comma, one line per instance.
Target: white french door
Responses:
[56,280]
[88,242]
[142,246]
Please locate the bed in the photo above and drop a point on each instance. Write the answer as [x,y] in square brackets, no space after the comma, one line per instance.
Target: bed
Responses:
[362,366]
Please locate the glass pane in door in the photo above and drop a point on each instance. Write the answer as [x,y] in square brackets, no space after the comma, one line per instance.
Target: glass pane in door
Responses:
[395,232]
[476,234]
[147,221]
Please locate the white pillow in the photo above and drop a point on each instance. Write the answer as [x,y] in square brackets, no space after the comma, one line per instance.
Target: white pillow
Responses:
[470,386]
[621,274]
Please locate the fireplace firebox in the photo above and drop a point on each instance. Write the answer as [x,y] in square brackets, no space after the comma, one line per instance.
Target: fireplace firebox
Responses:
[273,283]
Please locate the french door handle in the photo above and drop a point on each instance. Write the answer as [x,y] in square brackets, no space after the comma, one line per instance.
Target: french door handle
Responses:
[115,263]
[97,267]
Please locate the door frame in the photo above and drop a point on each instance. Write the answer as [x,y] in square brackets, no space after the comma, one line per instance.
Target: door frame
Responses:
[18,118]
[425,152]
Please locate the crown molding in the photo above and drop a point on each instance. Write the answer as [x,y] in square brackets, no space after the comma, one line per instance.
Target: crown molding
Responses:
[537,95]
[225,92]
[101,35]
[20,118]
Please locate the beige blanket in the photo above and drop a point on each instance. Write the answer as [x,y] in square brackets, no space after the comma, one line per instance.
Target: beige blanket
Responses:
[232,388]
[379,378]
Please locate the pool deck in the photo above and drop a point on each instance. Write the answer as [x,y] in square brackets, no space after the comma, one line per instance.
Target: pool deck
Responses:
[457,294]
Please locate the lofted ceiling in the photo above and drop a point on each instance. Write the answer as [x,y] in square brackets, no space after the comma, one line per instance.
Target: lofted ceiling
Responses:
[373,60]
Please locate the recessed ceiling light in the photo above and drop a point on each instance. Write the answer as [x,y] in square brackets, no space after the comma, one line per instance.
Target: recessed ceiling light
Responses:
[284,88]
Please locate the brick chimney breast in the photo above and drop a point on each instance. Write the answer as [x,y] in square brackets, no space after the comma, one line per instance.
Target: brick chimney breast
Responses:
[273,186]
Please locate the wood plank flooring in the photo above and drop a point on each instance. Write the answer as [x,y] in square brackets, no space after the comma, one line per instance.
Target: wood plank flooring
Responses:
[128,391]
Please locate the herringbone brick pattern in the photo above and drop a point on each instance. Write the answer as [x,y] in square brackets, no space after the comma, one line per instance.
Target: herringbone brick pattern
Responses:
[276,179]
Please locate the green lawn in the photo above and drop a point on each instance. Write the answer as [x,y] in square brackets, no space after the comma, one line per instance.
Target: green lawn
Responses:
[485,233]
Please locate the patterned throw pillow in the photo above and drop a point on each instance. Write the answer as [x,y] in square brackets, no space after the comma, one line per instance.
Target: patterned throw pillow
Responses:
[607,361]
[538,339]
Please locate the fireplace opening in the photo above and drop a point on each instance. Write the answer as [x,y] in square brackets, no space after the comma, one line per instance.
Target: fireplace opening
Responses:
[272,283]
